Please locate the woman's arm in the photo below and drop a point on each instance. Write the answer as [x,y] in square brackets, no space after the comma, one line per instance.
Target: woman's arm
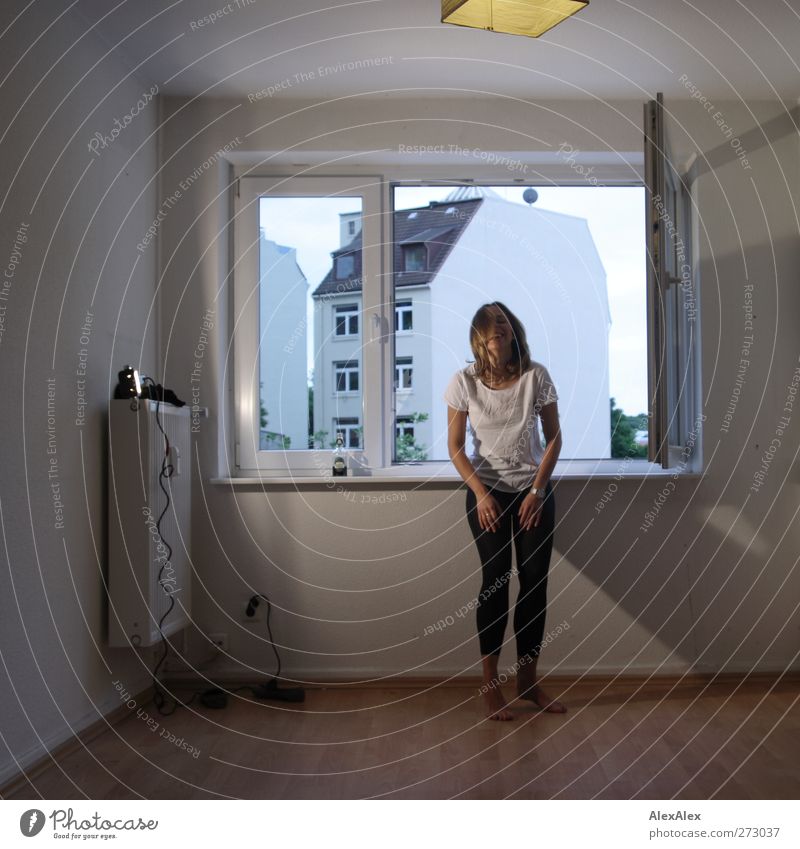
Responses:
[552,437]
[456,434]
[487,508]
[530,509]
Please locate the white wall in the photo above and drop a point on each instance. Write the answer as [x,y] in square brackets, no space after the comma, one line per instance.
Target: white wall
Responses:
[356,584]
[85,215]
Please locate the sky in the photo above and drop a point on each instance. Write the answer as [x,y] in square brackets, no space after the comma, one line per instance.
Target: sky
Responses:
[615,216]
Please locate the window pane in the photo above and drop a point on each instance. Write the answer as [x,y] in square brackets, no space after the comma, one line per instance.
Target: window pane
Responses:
[300,334]
[570,265]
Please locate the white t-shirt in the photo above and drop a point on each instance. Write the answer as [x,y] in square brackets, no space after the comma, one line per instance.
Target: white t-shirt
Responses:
[504,424]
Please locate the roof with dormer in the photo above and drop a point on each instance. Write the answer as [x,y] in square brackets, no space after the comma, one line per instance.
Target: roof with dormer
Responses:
[438,226]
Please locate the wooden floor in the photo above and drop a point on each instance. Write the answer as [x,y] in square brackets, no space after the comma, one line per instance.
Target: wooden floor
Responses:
[729,740]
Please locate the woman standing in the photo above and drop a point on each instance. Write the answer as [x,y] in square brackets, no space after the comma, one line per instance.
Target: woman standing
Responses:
[509,496]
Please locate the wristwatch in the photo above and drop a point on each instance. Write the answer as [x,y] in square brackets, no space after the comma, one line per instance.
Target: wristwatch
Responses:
[538,491]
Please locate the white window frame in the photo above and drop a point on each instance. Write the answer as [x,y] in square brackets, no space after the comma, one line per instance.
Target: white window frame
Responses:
[346,429]
[348,368]
[378,312]
[403,364]
[673,337]
[404,426]
[349,312]
[248,459]
[402,308]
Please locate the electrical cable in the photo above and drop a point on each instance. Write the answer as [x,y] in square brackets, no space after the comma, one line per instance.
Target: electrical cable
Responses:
[166,472]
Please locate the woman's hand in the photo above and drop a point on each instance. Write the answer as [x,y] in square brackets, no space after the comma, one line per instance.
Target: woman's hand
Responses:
[488,512]
[530,511]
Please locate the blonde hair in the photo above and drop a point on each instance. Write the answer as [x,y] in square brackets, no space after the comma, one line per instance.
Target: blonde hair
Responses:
[481,326]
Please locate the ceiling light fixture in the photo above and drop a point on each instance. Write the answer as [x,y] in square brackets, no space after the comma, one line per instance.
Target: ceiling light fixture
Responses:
[517,17]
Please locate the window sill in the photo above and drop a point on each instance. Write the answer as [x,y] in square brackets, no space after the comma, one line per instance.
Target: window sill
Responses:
[440,473]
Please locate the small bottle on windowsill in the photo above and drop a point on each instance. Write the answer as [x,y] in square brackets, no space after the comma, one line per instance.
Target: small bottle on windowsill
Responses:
[339,461]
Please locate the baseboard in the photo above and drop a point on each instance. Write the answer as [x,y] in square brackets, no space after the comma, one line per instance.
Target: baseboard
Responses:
[233,675]
[66,740]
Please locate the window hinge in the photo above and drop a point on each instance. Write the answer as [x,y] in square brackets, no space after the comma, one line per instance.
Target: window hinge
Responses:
[238,188]
[236,461]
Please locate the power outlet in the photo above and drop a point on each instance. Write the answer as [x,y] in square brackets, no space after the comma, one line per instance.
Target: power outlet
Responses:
[258,616]
[258,611]
[220,641]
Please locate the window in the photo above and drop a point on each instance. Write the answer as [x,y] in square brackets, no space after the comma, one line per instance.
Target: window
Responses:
[350,430]
[673,361]
[314,353]
[346,320]
[351,228]
[403,373]
[289,337]
[404,427]
[403,317]
[346,377]
[414,258]
[345,266]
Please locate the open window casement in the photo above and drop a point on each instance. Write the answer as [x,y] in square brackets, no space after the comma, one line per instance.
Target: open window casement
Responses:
[672,309]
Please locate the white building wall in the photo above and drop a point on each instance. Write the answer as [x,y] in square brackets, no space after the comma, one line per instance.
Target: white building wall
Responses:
[328,350]
[417,345]
[283,359]
[544,266]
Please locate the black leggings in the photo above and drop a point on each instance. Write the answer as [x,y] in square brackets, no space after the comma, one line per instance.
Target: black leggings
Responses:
[533,549]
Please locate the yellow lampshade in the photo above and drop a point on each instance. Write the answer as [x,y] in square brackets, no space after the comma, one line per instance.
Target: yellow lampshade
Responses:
[517,17]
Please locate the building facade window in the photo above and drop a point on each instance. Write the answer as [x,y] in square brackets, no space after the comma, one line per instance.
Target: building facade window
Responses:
[404,426]
[415,258]
[346,320]
[345,266]
[346,376]
[350,428]
[404,373]
[403,317]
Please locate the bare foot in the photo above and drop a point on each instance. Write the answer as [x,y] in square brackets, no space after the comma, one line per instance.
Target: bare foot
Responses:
[495,704]
[535,694]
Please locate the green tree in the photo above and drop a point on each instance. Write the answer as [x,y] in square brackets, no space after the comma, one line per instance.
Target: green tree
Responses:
[407,449]
[623,433]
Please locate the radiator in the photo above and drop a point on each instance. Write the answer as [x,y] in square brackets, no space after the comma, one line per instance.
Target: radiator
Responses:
[137,598]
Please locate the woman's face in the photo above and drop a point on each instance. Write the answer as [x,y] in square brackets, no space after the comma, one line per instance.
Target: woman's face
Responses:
[498,338]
